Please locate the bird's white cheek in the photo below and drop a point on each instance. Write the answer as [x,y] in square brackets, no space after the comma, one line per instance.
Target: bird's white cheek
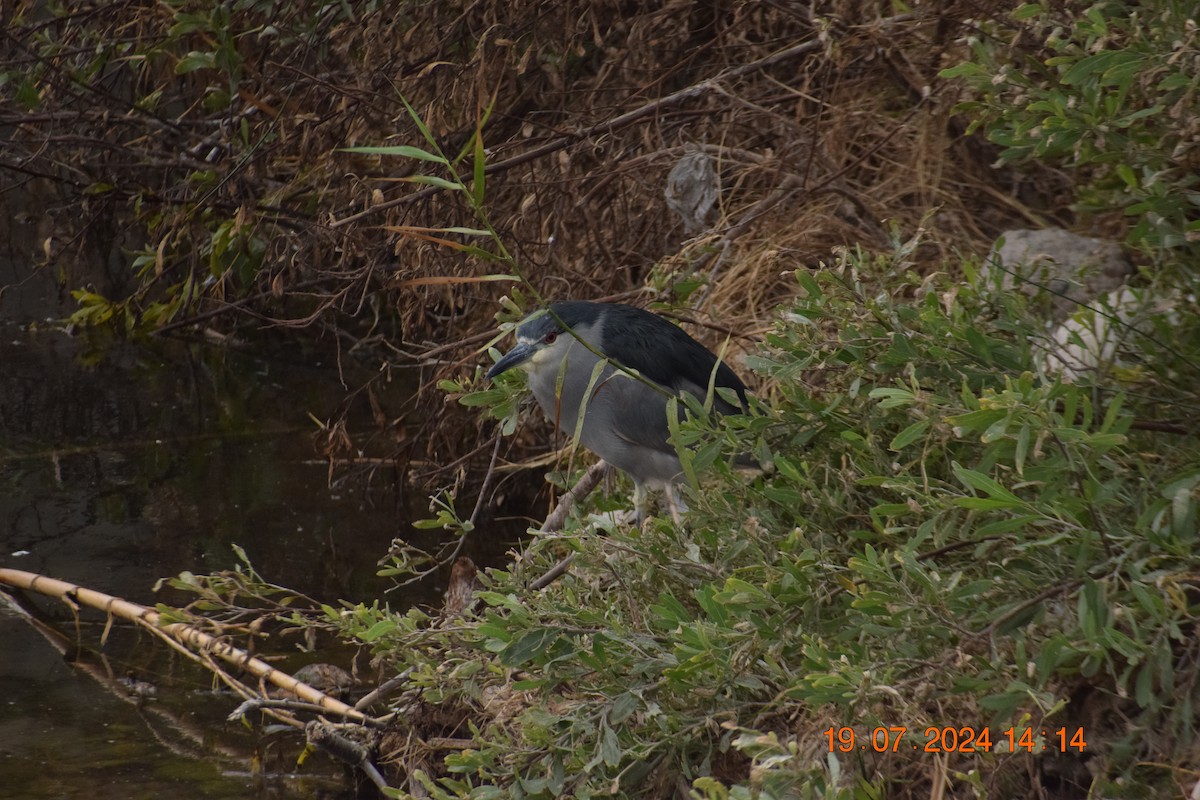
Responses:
[546,355]
[536,360]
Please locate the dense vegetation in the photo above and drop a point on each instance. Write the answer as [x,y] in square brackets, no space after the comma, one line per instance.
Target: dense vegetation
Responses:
[949,537]
[203,150]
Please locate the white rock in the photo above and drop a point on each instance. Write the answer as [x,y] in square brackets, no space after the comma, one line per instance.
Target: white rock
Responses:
[1109,333]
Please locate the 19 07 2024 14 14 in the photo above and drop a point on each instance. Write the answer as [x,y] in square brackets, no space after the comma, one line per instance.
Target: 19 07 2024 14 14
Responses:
[949,739]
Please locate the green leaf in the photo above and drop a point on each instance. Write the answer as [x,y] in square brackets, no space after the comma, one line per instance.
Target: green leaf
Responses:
[420,123]
[787,469]
[381,628]
[670,611]
[964,70]
[1022,449]
[909,435]
[979,420]
[188,23]
[892,398]
[496,599]
[529,646]
[193,61]
[979,345]
[982,483]
[480,164]
[484,397]
[433,180]
[402,150]
[623,706]
[1143,691]
[610,747]
[1028,11]
[901,351]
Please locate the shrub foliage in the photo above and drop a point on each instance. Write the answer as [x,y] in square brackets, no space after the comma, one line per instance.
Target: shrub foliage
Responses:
[1108,90]
[948,539]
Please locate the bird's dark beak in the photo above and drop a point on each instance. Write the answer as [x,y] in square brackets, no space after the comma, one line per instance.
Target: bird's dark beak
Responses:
[514,357]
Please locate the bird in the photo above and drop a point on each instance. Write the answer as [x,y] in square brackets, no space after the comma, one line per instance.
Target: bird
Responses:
[463,585]
[605,371]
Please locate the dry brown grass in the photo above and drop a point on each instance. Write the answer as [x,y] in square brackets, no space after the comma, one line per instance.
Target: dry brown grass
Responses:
[822,149]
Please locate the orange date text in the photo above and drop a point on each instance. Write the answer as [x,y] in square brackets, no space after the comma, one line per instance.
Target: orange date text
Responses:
[949,739]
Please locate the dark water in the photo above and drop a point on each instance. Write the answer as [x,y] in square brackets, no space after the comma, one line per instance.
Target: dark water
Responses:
[121,464]
[131,464]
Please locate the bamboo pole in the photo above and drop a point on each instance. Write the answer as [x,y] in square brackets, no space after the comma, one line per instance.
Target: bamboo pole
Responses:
[185,634]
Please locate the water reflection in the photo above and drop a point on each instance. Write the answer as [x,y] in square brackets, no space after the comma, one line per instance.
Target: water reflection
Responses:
[148,462]
[124,463]
[66,732]
[132,463]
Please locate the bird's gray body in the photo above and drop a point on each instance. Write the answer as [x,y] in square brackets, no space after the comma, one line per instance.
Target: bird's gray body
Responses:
[617,403]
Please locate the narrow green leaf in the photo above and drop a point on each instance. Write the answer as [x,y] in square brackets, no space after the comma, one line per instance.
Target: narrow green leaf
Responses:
[477,183]
[1143,690]
[1106,440]
[402,150]
[194,61]
[983,503]
[1028,11]
[610,747]
[787,469]
[485,255]
[433,180]
[529,646]
[909,435]
[982,483]
[976,420]
[421,126]
[892,397]
[979,345]
[1022,448]
[487,397]
[381,628]
[1113,412]
[623,706]
[686,455]
[670,611]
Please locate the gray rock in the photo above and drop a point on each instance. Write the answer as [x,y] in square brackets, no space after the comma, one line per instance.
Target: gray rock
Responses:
[1066,268]
[692,187]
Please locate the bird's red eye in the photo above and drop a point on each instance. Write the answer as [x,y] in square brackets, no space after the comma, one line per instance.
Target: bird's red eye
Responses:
[550,337]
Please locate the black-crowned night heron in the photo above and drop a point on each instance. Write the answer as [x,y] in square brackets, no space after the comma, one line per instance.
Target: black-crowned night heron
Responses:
[619,416]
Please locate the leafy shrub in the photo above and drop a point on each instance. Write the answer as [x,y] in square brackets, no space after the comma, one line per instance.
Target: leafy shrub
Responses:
[948,539]
[1108,89]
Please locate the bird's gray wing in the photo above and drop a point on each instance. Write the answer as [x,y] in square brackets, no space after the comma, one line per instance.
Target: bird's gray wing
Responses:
[639,411]
[667,355]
